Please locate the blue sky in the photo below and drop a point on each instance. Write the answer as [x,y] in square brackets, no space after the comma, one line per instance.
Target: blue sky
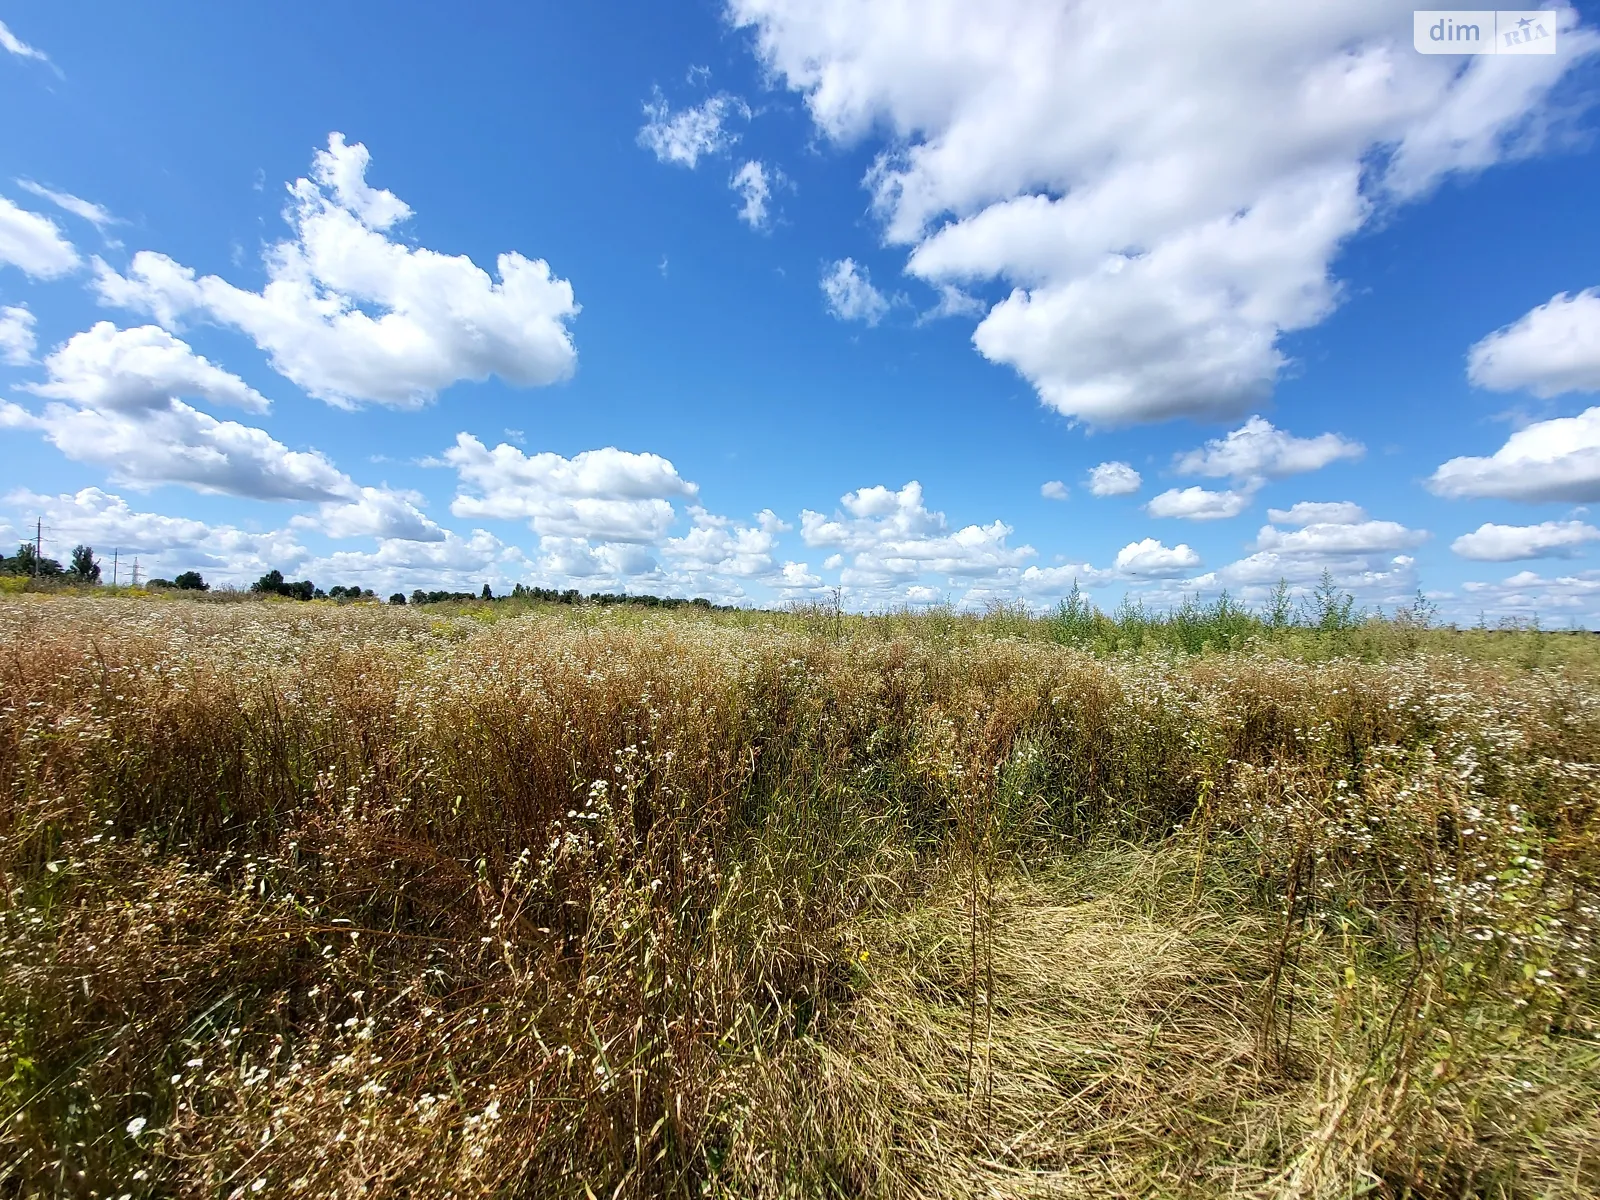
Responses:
[755,300]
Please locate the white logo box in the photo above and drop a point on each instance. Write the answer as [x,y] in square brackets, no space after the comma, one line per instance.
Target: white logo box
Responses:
[1483,31]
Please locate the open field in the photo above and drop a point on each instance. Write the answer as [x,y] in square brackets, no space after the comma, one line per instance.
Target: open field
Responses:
[305,899]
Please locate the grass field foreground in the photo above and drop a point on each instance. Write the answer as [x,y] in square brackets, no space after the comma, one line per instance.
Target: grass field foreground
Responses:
[337,900]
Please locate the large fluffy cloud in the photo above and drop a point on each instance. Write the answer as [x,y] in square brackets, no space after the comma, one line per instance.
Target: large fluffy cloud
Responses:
[114,400]
[889,536]
[1552,349]
[1113,479]
[717,546]
[130,370]
[608,495]
[1251,455]
[1318,512]
[1324,539]
[1151,558]
[441,318]
[1557,459]
[1048,583]
[1164,187]
[1199,504]
[34,243]
[1508,543]
[1360,555]
[164,545]
[1258,450]
[374,512]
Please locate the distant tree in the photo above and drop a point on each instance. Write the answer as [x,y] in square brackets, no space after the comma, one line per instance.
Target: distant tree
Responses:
[270,584]
[398,598]
[274,584]
[84,569]
[26,562]
[487,594]
[191,581]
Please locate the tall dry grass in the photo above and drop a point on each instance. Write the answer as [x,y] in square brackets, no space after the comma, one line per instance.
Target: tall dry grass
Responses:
[336,901]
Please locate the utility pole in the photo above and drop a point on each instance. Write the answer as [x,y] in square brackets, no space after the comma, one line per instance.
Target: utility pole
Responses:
[135,572]
[38,545]
[114,570]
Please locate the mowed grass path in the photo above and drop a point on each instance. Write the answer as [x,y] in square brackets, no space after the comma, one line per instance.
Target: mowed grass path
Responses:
[319,900]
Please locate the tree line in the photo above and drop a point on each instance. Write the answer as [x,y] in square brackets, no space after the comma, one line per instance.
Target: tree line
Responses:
[81,568]
[85,568]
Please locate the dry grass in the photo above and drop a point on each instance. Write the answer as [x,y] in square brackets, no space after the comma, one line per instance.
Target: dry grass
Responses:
[336,901]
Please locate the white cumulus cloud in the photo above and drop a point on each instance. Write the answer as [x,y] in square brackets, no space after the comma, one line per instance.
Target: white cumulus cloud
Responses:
[717,546]
[131,369]
[1160,227]
[886,535]
[1323,539]
[165,545]
[1045,583]
[440,318]
[34,243]
[1555,460]
[114,401]
[374,512]
[1113,479]
[1552,349]
[1509,543]
[1151,558]
[608,495]
[1318,512]
[1258,450]
[1199,504]
[1054,490]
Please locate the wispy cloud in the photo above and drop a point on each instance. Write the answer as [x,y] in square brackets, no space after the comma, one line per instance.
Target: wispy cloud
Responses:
[96,214]
[17,46]
[687,136]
